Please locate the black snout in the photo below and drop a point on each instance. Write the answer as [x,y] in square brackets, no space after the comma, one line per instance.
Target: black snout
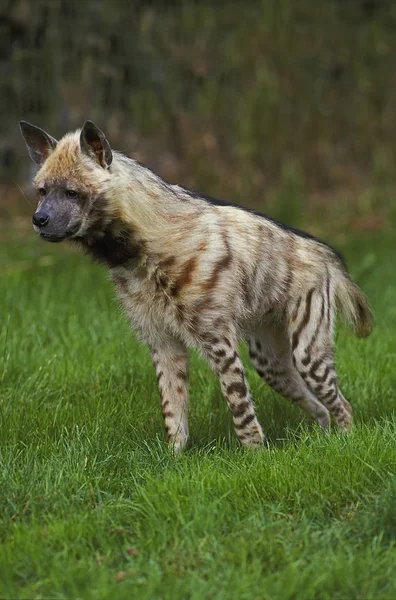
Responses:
[40,219]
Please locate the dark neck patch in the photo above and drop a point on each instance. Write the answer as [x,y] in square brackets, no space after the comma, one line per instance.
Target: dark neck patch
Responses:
[113,250]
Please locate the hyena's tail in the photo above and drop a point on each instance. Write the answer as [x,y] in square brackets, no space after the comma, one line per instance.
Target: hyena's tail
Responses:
[353,304]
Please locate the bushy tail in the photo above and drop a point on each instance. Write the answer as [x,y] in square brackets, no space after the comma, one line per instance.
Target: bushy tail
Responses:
[354,304]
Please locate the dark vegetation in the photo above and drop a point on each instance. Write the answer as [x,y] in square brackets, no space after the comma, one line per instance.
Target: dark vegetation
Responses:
[287,107]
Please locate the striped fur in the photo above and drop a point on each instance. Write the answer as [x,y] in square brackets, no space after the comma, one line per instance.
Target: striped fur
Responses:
[195,273]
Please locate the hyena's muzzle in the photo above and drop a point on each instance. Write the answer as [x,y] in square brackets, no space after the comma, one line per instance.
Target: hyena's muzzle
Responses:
[57,216]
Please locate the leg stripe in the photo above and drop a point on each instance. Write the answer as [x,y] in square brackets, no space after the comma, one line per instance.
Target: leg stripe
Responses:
[181,375]
[168,414]
[221,352]
[228,363]
[237,388]
[328,394]
[295,313]
[328,297]
[238,410]
[305,320]
[319,378]
[305,361]
[248,419]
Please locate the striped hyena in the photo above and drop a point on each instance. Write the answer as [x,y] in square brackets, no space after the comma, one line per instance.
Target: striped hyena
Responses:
[195,272]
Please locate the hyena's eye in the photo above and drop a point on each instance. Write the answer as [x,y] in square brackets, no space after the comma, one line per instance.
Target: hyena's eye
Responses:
[42,191]
[71,194]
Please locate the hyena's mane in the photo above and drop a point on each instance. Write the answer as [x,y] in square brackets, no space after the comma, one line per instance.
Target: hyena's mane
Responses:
[113,237]
[287,228]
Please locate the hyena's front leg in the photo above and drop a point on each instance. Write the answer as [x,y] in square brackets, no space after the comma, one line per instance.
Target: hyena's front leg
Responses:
[170,361]
[223,356]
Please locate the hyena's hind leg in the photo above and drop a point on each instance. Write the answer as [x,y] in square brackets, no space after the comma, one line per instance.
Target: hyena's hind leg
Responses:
[221,349]
[270,353]
[171,365]
[311,337]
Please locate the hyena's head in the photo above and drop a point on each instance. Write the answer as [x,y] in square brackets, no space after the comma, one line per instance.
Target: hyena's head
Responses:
[71,179]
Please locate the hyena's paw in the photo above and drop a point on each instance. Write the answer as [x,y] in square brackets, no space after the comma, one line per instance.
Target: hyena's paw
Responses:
[177,443]
[252,437]
[323,419]
[344,420]
[347,406]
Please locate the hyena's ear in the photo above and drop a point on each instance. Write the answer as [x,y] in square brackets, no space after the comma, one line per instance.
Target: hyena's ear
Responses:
[38,142]
[94,143]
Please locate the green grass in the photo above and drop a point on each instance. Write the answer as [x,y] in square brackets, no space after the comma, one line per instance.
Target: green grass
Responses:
[92,503]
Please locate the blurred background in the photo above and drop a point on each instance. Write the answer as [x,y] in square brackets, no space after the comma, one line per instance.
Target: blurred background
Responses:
[289,107]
